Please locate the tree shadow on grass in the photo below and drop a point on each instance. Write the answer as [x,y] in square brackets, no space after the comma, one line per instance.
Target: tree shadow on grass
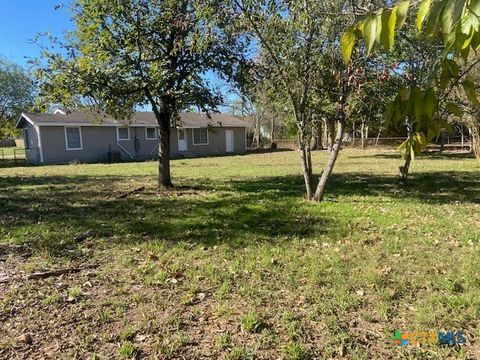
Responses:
[443,187]
[49,212]
[428,155]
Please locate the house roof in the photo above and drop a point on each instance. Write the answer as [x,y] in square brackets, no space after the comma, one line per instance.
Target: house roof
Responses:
[140,118]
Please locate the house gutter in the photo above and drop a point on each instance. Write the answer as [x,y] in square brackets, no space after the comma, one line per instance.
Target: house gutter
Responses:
[37,129]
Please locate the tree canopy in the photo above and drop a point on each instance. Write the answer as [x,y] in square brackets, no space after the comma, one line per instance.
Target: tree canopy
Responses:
[124,54]
[453,25]
[17,93]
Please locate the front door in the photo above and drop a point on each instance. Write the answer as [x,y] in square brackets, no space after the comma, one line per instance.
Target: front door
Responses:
[229,139]
[182,139]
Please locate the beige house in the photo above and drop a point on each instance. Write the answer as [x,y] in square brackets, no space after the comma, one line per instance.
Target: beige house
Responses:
[63,137]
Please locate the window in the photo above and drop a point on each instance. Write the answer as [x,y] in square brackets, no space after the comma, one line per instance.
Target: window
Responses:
[150,133]
[200,136]
[73,138]
[123,133]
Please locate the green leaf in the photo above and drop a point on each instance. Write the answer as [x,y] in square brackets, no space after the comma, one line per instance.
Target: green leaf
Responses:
[402,12]
[389,19]
[432,25]
[431,134]
[464,53]
[454,109]
[447,18]
[469,88]
[405,94]
[378,36]
[388,113]
[422,13]
[443,124]
[348,42]
[397,111]
[469,24]
[475,43]
[404,148]
[449,41]
[459,9]
[474,7]
[421,139]
[468,40]
[370,32]
[417,96]
[453,67]
[430,103]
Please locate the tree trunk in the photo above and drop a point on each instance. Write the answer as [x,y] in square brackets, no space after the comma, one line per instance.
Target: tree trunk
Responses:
[362,130]
[319,193]
[353,135]
[257,130]
[272,134]
[164,119]
[306,157]
[325,134]
[319,136]
[403,174]
[329,130]
[378,136]
[404,170]
[475,137]
[164,178]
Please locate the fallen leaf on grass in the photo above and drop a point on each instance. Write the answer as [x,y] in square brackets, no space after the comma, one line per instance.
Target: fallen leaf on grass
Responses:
[25,338]
[83,236]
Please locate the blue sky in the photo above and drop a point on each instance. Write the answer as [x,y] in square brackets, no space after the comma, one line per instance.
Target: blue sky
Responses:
[21,20]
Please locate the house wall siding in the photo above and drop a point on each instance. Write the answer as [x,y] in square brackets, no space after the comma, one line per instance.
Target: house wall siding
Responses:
[144,149]
[217,144]
[97,141]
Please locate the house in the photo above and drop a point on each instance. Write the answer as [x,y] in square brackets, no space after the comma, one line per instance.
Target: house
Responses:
[63,136]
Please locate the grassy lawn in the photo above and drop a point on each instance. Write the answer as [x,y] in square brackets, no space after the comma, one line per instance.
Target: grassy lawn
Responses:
[8,153]
[240,266]
[10,150]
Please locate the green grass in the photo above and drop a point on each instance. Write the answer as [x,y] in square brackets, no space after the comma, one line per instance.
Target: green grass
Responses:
[127,350]
[11,156]
[188,273]
[9,151]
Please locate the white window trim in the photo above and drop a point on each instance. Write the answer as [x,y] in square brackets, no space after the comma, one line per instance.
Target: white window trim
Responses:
[66,138]
[193,136]
[155,137]
[128,132]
